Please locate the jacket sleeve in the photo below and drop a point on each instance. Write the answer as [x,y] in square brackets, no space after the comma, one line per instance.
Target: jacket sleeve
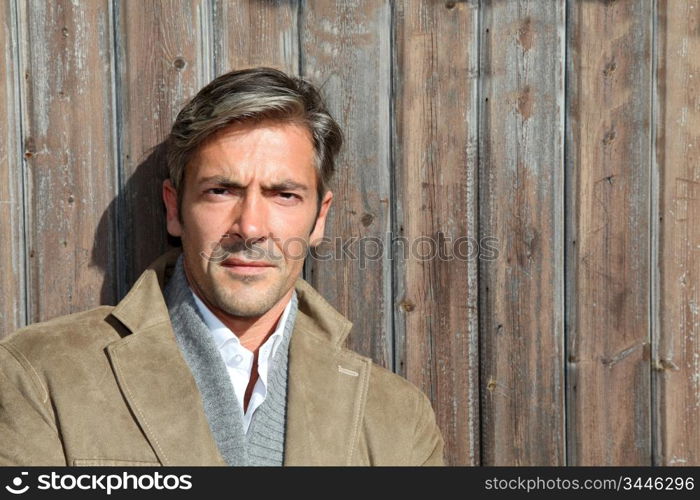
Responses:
[429,444]
[28,435]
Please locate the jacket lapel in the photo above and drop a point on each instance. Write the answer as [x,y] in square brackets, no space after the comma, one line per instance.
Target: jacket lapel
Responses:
[159,388]
[155,379]
[327,387]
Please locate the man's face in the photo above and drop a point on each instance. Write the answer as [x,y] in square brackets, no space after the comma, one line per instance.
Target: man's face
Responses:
[250,204]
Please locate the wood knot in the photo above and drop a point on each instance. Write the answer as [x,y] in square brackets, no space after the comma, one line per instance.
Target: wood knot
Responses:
[407,306]
[609,68]
[609,137]
[491,385]
[179,63]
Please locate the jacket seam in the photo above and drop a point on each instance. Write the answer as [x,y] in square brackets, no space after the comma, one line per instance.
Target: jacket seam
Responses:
[25,364]
[118,369]
[147,462]
[422,398]
[360,403]
[432,452]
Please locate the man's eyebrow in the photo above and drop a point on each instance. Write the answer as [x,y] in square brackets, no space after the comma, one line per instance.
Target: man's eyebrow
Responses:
[283,185]
[288,185]
[221,181]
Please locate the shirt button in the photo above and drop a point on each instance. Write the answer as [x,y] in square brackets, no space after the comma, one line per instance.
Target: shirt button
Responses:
[238,358]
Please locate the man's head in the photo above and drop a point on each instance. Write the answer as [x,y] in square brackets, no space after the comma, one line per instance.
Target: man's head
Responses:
[249,159]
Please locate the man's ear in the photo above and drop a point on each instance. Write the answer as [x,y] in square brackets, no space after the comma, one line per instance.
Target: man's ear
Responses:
[317,232]
[171,215]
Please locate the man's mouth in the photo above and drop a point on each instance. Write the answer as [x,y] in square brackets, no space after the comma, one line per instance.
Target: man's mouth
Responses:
[242,266]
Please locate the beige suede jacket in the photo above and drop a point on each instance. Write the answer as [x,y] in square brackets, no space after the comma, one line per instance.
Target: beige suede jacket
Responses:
[109,386]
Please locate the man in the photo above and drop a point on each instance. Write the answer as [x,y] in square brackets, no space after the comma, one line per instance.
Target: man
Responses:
[220,354]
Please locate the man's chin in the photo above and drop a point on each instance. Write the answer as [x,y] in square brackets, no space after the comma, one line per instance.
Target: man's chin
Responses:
[247,307]
[247,299]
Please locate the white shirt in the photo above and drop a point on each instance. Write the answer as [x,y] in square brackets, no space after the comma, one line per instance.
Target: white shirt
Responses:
[239,360]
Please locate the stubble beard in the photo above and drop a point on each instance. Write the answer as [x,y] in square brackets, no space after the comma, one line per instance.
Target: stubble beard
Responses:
[245,300]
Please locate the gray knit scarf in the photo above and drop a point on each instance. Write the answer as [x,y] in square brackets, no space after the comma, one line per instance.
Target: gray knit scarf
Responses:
[264,442]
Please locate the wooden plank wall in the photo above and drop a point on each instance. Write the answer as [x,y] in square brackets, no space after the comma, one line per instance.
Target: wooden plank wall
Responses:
[521,203]
[436,330]
[676,191]
[608,255]
[65,54]
[12,248]
[562,136]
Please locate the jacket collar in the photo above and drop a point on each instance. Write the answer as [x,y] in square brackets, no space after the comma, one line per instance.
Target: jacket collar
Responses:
[327,385]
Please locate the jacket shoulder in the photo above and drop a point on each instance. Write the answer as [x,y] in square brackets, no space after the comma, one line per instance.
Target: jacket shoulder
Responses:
[75,333]
[387,387]
[399,422]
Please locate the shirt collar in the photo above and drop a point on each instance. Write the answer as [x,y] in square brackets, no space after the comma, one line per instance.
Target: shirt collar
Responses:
[223,334]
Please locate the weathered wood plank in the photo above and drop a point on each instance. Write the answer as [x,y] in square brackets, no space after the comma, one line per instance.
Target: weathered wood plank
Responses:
[521,204]
[608,275]
[251,33]
[161,66]
[677,322]
[436,126]
[68,150]
[12,248]
[346,49]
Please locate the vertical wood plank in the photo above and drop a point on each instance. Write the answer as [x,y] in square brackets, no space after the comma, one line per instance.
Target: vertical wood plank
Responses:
[68,151]
[608,275]
[251,33]
[677,326]
[436,125]
[12,249]
[161,66]
[521,204]
[346,49]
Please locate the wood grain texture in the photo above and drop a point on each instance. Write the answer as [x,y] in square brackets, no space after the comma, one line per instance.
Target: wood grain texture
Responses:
[161,66]
[12,248]
[608,275]
[251,33]
[68,153]
[346,51]
[677,325]
[436,328]
[521,204]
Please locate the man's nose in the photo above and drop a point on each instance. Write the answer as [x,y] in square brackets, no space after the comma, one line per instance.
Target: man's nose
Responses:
[250,223]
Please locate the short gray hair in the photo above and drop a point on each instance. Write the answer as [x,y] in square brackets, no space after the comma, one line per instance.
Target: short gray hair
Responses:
[253,95]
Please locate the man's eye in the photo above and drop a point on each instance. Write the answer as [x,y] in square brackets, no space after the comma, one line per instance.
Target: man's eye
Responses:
[217,190]
[288,196]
